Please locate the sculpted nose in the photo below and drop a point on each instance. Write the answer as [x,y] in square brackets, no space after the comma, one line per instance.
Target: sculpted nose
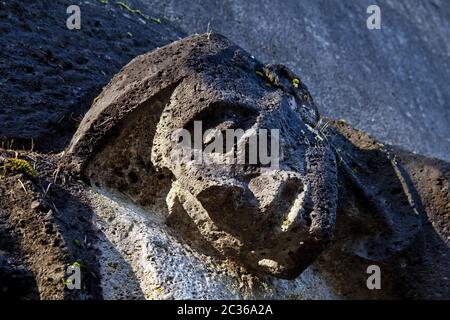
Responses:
[278,189]
[231,207]
[221,197]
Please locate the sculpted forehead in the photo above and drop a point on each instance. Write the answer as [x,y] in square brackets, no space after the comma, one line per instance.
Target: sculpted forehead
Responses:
[187,75]
[273,111]
[192,104]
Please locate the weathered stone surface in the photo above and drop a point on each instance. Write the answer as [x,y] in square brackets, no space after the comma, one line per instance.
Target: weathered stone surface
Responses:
[275,221]
[49,75]
[375,222]
[391,83]
[138,249]
[16,281]
[377,199]
[141,251]
[272,220]
[392,212]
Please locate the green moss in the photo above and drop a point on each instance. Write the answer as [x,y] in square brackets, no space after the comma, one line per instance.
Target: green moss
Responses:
[96,99]
[267,77]
[66,282]
[305,95]
[286,223]
[295,82]
[13,166]
[128,8]
[156,20]
[261,74]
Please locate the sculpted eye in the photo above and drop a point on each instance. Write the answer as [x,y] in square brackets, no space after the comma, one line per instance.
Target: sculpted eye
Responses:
[228,124]
[220,128]
[224,115]
[219,117]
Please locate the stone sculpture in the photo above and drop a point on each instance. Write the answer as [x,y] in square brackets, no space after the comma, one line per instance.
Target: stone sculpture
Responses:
[272,220]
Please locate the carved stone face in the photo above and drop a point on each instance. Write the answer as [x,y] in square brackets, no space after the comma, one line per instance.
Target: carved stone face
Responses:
[274,219]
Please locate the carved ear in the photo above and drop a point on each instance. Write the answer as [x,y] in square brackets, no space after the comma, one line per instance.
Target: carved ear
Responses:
[122,162]
[378,208]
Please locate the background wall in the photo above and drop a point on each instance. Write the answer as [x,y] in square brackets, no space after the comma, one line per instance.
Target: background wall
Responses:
[393,83]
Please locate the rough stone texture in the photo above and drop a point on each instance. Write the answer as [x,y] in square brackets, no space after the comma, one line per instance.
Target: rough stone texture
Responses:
[275,221]
[328,45]
[134,246]
[38,242]
[49,75]
[400,180]
[377,199]
[139,249]
[272,220]
[391,83]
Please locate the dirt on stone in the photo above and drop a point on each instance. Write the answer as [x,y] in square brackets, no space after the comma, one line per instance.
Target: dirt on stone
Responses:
[45,227]
[49,75]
